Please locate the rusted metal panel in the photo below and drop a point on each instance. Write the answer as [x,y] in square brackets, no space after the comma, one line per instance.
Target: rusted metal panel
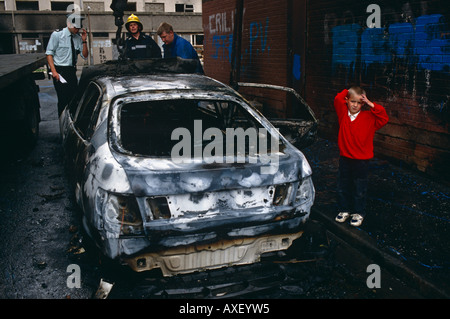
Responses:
[301,129]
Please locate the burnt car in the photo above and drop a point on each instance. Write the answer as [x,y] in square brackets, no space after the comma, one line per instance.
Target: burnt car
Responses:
[177,171]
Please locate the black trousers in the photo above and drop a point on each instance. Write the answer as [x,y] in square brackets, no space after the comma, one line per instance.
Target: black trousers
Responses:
[65,91]
[352,185]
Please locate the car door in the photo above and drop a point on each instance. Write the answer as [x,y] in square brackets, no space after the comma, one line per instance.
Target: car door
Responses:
[300,131]
[83,124]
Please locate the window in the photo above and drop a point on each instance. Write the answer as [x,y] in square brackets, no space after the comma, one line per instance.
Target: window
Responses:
[198,38]
[31,36]
[87,114]
[27,5]
[100,34]
[6,43]
[131,7]
[60,6]
[181,7]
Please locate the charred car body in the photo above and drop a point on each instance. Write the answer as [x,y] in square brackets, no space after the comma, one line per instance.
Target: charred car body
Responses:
[207,209]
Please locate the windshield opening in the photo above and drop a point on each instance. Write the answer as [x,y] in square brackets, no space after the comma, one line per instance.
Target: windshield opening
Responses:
[193,128]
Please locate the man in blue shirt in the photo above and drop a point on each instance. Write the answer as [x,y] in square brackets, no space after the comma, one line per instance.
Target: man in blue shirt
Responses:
[139,45]
[176,46]
[62,52]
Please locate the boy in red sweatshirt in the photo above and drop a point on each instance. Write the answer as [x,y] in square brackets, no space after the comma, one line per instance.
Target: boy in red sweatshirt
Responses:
[355,140]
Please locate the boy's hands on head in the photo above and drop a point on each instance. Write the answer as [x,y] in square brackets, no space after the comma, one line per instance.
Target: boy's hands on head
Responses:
[366,100]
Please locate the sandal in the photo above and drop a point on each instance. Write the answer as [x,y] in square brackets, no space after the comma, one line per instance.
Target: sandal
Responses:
[342,217]
[356,220]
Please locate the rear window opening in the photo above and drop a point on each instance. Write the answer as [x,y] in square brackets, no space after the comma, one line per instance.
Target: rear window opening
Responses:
[192,126]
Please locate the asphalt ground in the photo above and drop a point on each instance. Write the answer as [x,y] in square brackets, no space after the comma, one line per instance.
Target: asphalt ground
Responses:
[407,227]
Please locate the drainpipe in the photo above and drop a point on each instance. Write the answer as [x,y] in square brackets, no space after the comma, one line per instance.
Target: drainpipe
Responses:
[237,41]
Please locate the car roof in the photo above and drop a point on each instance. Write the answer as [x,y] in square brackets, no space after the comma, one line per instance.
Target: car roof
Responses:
[117,85]
[119,77]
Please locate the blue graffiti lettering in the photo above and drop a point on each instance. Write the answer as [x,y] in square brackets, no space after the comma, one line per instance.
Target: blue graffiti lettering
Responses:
[258,32]
[427,44]
[257,43]
[223,45]
[401,40]
[374,47]
[345,45]
[296,68]
[430,31]
[253,35]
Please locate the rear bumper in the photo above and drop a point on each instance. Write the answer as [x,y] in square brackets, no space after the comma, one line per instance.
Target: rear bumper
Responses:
[226,225]
[221,243]
[223,253]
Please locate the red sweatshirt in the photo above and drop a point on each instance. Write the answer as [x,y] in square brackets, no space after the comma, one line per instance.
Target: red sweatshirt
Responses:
[355,138]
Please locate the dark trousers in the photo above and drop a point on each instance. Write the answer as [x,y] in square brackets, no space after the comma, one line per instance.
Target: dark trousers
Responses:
[352,185]
[65,91]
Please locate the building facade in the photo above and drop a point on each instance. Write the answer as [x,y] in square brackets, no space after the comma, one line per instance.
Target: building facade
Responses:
[26,25]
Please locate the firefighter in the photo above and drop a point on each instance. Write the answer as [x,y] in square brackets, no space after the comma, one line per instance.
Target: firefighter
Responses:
[138,44]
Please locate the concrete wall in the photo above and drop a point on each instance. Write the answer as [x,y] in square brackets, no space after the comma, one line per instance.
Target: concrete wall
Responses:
[102,5]
[399,51]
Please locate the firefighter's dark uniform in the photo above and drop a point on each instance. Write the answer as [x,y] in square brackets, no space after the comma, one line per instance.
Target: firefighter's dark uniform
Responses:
[142,48]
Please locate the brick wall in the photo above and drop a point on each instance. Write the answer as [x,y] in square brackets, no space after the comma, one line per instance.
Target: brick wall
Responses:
[264,50]
[218,28]
[403,63]
[399,51]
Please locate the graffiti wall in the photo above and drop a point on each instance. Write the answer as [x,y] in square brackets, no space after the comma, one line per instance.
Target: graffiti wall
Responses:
[399,51]
[264,50]
[264,38]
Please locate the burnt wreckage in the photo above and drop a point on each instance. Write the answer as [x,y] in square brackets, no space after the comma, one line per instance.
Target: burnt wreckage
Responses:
[207,209]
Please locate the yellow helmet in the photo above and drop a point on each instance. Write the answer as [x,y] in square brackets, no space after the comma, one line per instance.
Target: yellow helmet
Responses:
[133,18]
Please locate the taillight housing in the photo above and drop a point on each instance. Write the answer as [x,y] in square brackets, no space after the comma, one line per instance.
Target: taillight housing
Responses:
[281,195]
[159,207]
[121,214]
[305,191]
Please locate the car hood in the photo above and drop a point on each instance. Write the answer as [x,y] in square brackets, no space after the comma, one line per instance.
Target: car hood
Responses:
[159,176]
